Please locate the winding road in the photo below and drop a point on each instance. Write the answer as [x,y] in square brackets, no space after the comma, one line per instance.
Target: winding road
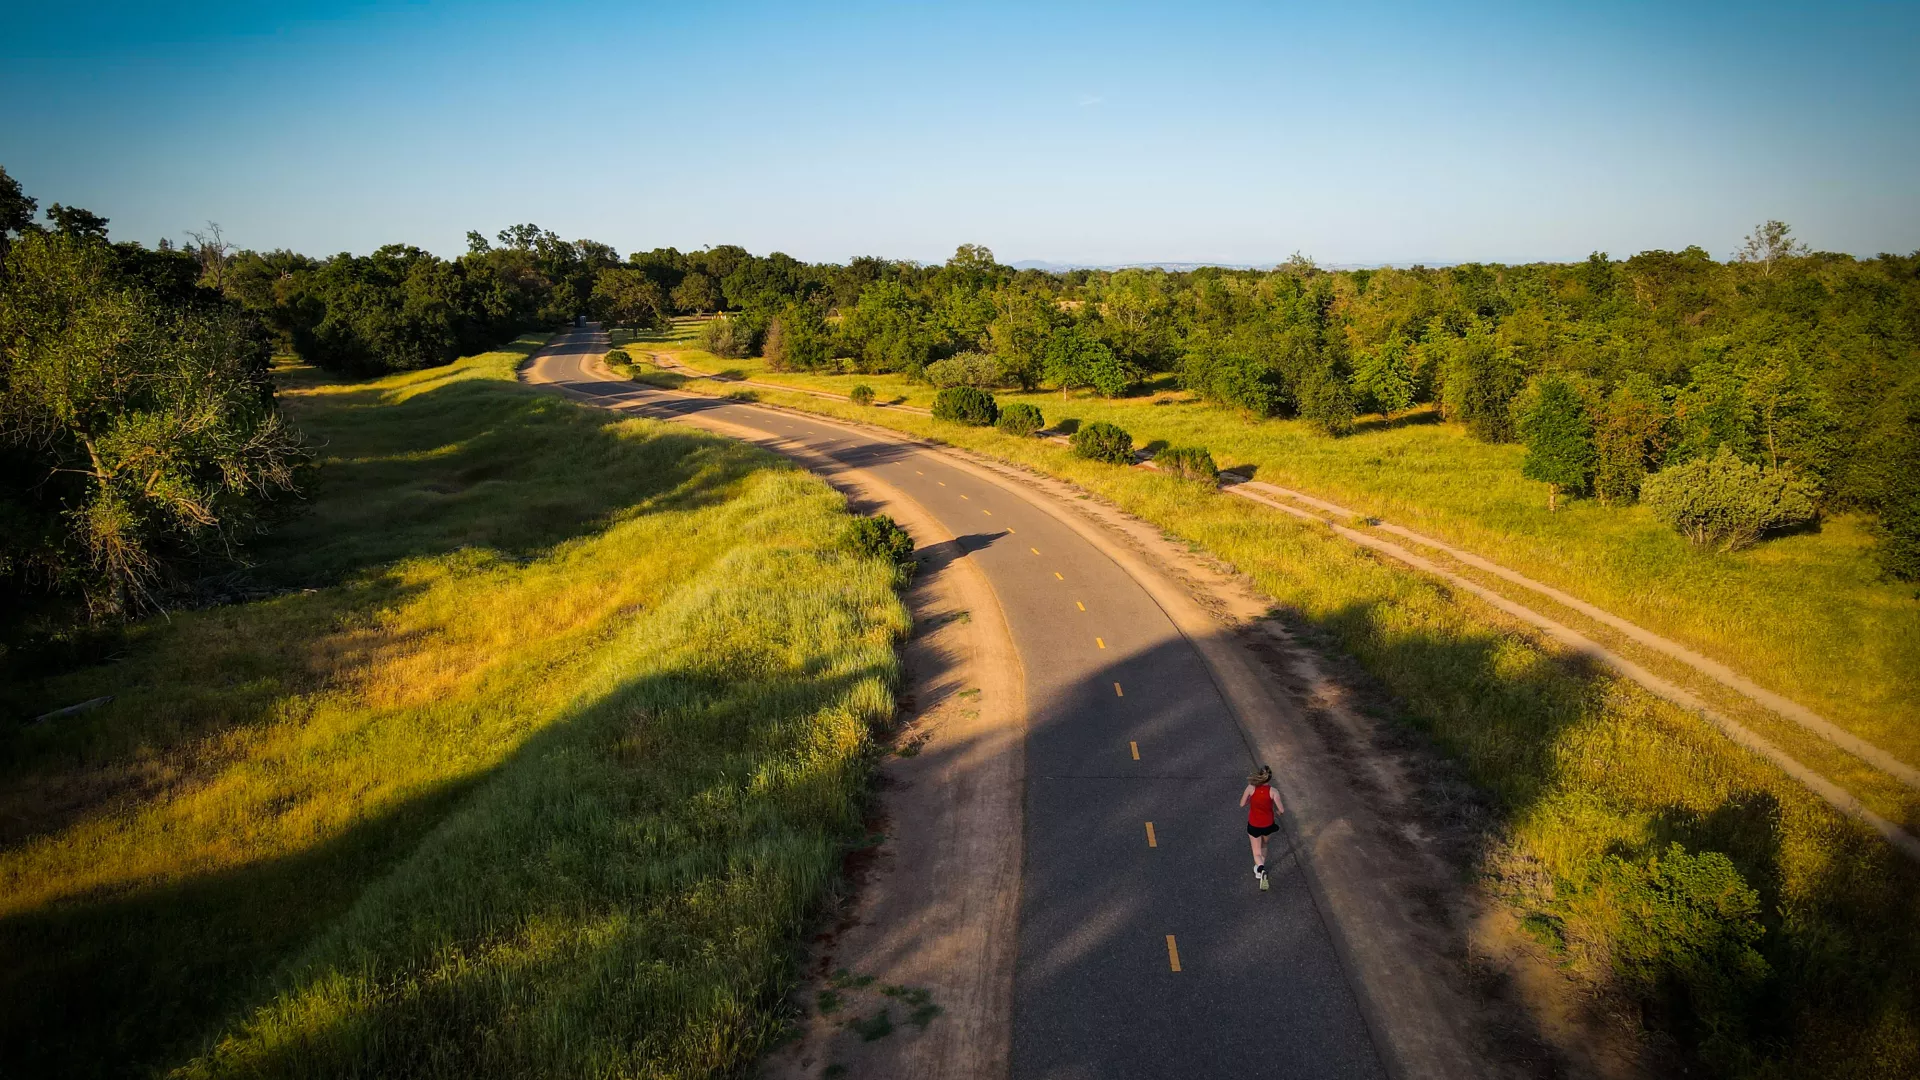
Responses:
[1144,948]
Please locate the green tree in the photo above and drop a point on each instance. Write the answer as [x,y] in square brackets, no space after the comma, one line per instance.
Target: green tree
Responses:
[626,297]
[1769,246]
[1383,377]
[1018,333]
[1227,374]
[797,339]
[1631,435]
[1326,401]
[17,210]
[73,221]
[696,295]
[1074,359]
[1480,381]
[1552,421]
[137,436]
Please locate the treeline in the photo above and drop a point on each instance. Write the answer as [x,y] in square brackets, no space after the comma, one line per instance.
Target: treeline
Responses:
[139,435]
[1800,369]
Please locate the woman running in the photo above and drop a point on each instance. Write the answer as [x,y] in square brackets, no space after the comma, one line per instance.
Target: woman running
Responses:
[1263,806]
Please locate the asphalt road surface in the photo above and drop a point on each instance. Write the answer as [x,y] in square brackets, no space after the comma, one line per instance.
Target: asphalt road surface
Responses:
[1145,947]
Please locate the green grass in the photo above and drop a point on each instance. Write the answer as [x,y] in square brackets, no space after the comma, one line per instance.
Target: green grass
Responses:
[1590,779]
[536,765]
[1807,615]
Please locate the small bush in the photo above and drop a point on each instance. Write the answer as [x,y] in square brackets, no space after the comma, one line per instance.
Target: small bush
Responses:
[1690,922]
[967,369]
[1725,501]
[1102,441]
[1021,419]
[880,537]
[730,337]
[1188,463]
[861,395]
[618,358]
[965,405]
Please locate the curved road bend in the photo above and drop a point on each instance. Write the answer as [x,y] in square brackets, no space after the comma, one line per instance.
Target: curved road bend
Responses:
[1143,951]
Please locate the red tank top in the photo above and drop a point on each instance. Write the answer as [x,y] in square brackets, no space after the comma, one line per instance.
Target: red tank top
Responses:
[1260,807]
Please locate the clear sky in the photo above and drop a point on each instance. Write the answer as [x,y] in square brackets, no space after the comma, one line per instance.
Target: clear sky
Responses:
[1097,133]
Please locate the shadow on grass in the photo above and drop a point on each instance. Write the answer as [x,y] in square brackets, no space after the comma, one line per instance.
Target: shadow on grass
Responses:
[1376,422]
[1841,942]
[595,820]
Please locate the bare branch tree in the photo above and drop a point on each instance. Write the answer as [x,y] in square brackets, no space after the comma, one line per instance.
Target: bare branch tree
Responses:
[212,247]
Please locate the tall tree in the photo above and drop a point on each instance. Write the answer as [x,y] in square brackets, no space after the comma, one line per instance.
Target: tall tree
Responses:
[1553,422]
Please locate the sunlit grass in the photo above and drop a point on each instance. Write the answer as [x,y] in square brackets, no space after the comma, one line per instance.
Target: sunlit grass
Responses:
[1588,774]
[536,767]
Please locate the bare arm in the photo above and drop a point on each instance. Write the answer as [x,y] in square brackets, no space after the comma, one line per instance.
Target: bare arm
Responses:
[1245,795]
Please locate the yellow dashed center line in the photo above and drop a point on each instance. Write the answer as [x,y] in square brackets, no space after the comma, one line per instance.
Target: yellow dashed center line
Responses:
[964,497]
[1173,954]
[1102,642]
[1135,747]
[1036,551]
[1080,605]
[1116,691]
[1151,842]
[989,513]
[942,483]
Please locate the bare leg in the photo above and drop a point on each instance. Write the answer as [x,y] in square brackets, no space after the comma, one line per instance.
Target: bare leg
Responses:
[1259,844]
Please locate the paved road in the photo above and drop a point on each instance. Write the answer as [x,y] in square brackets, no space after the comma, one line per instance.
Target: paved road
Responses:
[1125,728]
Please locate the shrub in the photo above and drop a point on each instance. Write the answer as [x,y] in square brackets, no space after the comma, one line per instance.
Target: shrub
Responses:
[717,337]
[1102,441]
[965,405]
[967,369]
[1188,463]
[880,537]
[1690,921]
[1020,418]
[1726,501]
[618,358]
[861,394]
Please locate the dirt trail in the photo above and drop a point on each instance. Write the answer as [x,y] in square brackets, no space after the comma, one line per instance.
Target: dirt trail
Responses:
[1713,669]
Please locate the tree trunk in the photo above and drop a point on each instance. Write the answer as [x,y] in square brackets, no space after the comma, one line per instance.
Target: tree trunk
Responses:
[1553,497]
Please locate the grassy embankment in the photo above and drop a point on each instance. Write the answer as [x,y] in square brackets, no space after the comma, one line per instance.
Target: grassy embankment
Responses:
[537,768]
[1592,778]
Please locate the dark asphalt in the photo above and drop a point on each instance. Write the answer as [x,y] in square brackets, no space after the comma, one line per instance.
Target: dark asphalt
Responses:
[1260,989]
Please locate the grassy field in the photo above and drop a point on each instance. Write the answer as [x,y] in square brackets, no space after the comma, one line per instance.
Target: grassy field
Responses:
[536,764]
[1806,615]
[1780,940]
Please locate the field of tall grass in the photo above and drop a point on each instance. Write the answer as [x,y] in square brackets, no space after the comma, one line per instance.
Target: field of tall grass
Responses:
[537,761]
[1807,615]
[1777,939]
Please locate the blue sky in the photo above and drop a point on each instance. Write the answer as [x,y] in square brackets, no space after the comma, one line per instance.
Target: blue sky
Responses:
[1354,133]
